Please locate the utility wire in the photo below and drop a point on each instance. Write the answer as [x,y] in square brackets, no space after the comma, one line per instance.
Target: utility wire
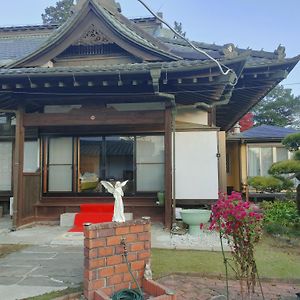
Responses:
[221,66]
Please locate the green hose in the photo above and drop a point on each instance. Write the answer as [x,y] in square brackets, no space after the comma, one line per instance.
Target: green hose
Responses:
[128,294]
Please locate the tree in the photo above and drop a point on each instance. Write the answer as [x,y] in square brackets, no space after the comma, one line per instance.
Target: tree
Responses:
[58,14]
[292,166]
[280,107]
[246,122]
[178,28]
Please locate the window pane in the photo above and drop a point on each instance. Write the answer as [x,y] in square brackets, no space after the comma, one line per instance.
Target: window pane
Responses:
[60,164]
[119,160]
[150,149]
[150,163]
[60,178]
[31,156]
[266,160]
[60,151]
[150,177]
[281,153]
[5,166]
[90,164]
[253,162]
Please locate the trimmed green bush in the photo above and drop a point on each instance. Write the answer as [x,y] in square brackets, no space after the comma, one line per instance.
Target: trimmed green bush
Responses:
[270,183]
[281,217]
[285,167]
[292,141]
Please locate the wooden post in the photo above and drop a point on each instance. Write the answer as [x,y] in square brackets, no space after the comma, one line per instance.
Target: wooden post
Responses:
[222,162]
[168,168]
[18,168]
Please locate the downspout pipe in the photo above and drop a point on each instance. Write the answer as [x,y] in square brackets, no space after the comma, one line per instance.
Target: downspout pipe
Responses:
[156,75]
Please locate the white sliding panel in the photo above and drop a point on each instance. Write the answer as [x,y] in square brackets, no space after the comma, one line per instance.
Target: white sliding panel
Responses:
[196,164]
[5,166]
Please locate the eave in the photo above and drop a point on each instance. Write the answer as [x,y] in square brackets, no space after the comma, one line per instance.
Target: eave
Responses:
[254,84]
[187,81]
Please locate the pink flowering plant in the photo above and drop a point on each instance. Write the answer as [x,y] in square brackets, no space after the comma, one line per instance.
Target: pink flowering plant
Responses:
[240,224]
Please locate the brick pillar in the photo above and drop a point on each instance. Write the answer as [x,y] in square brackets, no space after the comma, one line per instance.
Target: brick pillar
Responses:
[105,268]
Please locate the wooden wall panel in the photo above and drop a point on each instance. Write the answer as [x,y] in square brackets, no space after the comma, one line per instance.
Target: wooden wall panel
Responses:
[32,183]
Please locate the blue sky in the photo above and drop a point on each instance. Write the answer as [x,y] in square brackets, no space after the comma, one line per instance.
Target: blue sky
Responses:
[247,23]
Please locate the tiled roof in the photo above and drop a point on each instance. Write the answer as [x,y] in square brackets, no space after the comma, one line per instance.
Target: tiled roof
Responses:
[136,67]
[16,48]
[267,131]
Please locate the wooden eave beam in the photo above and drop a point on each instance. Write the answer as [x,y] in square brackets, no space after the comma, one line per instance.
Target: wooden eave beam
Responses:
[103,118]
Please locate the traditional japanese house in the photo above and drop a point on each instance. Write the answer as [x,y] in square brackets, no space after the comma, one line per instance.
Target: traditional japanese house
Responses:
[252,152]
[107,98]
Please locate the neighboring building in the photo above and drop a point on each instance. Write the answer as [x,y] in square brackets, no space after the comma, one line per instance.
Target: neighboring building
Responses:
[252,152]
[107,98]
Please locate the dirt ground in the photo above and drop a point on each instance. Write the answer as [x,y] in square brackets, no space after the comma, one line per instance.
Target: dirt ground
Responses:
[199,288]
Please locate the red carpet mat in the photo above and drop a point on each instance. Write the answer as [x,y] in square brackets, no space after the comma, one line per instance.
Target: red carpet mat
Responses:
[92,213]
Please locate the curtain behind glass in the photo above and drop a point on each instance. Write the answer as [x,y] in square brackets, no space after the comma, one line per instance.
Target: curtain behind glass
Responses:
[253,162]
[281,154]
[60,164]
[5,166]
[150,163]
[266,160]
[31,156]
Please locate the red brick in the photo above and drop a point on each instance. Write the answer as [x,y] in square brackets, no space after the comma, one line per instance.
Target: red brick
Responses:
[147,245]
[94,243]
[96,263]
[147,227]
[132,256]
[114,260]
[131,238]
[105,272]
[108,291]
[119,249]
[105,251]
[134,286]
[105,232]
[122,230]
[138,265]
[97,284]
[101,295]
[136,228]
[90,234]
[144,236]
[127,277]
[143,255]
[122,268]
[113,240]
[137,246]
[90,275]
[90,253]
[121,286]
[115,279]
[89,294]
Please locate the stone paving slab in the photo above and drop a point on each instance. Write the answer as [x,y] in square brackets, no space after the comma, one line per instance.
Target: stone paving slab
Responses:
[15,292]
[39,269]
[199,288]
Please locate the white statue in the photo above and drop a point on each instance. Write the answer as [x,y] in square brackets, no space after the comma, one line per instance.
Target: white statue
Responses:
[148,271]
[118,194]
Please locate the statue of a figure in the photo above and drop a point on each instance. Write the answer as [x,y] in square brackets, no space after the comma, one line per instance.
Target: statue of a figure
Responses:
[118,194]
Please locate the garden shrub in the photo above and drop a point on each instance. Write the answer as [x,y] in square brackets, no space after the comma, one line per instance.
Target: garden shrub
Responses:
[270,183]
[280,217]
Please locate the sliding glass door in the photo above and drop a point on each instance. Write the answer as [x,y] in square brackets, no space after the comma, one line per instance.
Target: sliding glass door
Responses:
[138,159]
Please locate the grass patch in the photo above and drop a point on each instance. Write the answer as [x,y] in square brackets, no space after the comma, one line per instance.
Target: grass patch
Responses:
[276,259]
[7,249]
[53,295]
